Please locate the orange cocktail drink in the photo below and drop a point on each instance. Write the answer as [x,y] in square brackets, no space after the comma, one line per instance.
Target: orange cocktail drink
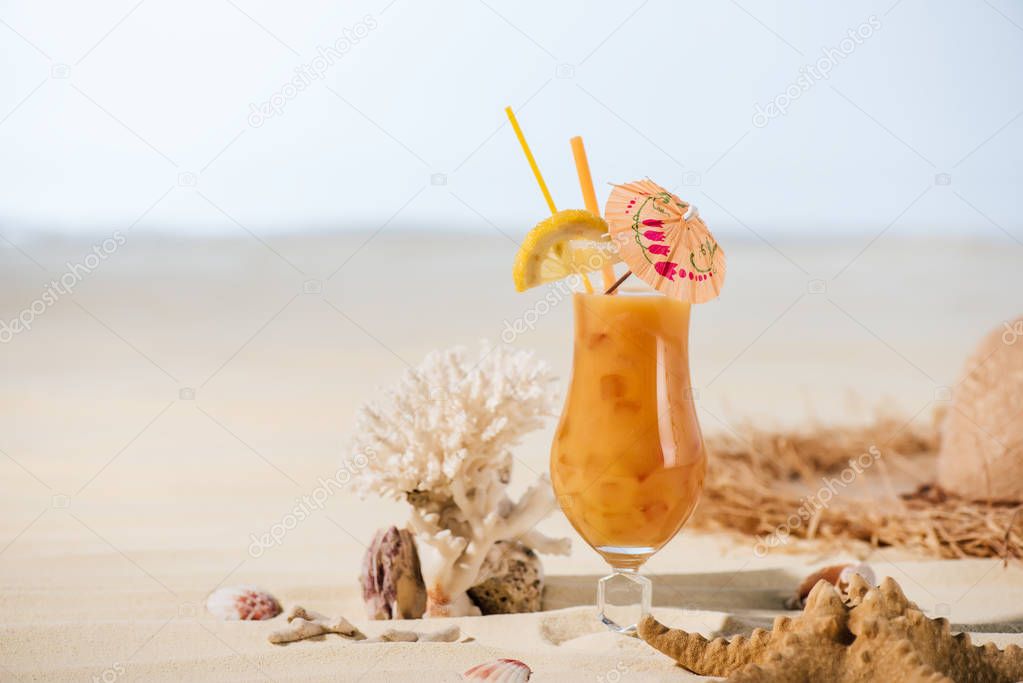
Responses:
[628,459]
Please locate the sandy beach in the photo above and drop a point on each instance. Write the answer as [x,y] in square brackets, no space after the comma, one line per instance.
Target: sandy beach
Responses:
[227,227]
[175,405]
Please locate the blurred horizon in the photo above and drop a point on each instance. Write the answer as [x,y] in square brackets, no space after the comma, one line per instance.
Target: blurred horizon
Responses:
[775,119]
[23,234]
[800,331]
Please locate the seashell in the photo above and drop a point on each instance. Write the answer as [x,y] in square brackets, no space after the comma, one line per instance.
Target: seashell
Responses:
[499,671]
[392,583]
[245,603]
[838,575]
[861,568]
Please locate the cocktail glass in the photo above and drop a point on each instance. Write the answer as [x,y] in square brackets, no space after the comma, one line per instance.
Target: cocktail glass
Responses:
[628,459]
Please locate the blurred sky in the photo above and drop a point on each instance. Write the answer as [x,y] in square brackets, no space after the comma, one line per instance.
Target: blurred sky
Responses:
[122,113]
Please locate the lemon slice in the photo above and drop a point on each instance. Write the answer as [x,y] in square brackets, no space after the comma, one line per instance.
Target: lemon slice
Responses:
[570,241]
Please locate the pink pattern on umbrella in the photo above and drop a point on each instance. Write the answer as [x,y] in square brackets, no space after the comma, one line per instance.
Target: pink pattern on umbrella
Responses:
[666,269]
[653,227]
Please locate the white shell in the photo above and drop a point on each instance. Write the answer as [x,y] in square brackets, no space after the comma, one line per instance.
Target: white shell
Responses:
[863,569]
[499,671]
[246,603]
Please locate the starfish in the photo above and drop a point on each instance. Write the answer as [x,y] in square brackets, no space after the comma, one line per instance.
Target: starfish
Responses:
[877,634]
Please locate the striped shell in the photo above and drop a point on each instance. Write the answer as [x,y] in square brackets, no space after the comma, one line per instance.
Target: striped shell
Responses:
[499,671]
[245,603]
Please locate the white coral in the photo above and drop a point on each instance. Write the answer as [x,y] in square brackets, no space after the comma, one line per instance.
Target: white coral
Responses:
[442,441]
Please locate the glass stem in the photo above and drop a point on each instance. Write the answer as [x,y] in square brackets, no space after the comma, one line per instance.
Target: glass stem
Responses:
[623,599]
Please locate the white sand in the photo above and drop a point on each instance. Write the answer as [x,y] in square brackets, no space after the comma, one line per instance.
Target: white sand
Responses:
[122,505]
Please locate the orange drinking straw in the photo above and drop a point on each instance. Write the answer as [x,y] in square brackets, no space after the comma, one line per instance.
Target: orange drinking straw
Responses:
[539,178]
[582,167]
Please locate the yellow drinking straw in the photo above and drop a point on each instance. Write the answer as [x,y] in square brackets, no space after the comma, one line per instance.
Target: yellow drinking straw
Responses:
[539,178]
[582,167]
[531,160]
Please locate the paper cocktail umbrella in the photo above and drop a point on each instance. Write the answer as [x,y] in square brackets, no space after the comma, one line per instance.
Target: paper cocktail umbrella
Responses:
[664,242]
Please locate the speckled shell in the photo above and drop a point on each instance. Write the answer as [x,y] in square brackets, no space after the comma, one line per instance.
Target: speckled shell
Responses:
[244,603]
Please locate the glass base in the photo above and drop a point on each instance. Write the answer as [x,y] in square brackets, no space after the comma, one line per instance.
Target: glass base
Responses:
[623,599]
